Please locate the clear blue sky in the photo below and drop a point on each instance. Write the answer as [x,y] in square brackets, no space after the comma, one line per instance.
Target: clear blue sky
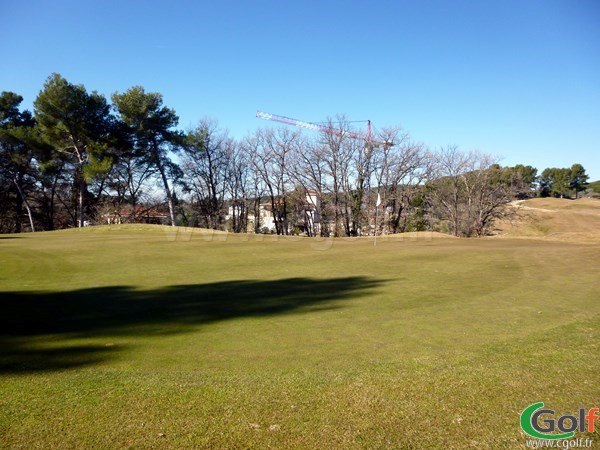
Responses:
[517,79]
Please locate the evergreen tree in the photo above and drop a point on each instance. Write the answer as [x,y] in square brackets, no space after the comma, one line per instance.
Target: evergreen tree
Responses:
[152,132]
[579,179]
[77,124]
[17,167]
[555,182]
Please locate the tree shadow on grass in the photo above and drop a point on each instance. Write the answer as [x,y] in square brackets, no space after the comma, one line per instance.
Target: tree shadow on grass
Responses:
[54,318]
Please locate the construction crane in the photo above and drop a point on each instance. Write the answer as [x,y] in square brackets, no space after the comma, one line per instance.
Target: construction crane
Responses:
[325,129]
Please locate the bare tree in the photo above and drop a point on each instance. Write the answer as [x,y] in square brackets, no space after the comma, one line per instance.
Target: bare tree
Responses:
[487,194]
[359,183]
[206,164]
[400,171]
[338,152]
[445,193]
[128,181]
[269,152]
[238,185]
[469,191]
[309,172]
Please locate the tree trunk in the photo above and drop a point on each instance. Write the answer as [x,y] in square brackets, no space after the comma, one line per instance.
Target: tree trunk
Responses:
[80,200]
[26,203]
[18,207]
[257,214]
[163,175]
[52,202]
[285,218]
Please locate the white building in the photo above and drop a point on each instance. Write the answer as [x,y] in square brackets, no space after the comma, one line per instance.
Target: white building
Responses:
[308,217]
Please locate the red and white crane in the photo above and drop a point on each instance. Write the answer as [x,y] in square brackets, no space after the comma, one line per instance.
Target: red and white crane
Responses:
[324,128]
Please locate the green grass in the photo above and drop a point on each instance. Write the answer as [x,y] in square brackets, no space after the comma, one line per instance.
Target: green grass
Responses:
[133,337]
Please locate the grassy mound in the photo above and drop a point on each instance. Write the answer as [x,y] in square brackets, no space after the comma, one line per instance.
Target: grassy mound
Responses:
[422,235]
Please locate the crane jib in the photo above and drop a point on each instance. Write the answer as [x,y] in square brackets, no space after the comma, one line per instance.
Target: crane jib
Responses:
[317,127]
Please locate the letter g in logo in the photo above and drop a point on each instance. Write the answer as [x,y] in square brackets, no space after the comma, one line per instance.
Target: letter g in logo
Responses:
[529,423]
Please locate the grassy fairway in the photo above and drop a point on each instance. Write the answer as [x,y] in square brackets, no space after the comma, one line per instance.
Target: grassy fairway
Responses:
[132,337]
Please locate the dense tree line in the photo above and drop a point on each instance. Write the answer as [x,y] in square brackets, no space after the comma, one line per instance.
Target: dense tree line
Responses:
[79,159]
[563,182]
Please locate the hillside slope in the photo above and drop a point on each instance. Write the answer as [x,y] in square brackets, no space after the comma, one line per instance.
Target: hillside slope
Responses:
[554,219]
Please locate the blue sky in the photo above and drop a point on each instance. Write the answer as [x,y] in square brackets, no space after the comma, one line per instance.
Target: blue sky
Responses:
[517,79]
